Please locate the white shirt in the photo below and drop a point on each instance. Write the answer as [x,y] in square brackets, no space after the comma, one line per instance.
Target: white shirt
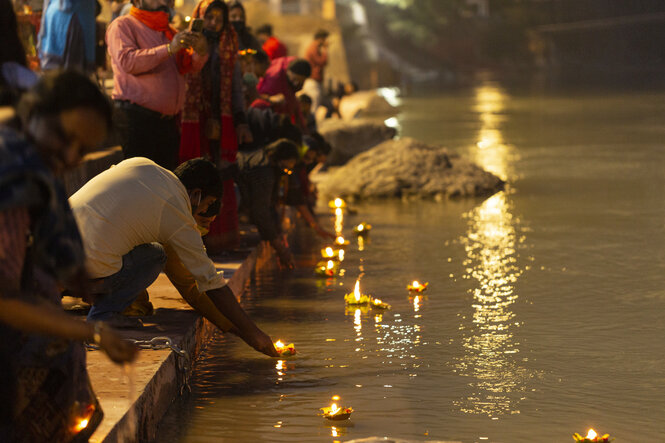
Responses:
[137,202]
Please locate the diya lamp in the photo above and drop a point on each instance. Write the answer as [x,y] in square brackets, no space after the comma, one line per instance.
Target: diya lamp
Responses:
[417,287]
[378,304]
[356,298]
[592,437]
[334,412]
[284,350]
[330,253]
[337,203]
[340,241]
[362,229]
[328,268]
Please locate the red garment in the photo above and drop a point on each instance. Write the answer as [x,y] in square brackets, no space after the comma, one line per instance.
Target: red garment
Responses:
[275,82]
[274,48]
[197,109]
[159,21]
[318,59]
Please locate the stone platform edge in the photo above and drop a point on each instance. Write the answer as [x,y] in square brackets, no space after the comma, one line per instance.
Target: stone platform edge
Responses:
[140,422]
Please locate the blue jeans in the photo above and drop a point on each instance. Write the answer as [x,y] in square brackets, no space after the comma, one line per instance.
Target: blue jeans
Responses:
[140,267]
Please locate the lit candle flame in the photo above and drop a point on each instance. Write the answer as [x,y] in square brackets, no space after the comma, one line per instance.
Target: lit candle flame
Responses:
[81,425]
[339,202]
[356,291]
[360,227]
[279,344]
[333,409]
[415,284]
[329,252]
[335,397]
[330,264]
[591,435]
[340,240]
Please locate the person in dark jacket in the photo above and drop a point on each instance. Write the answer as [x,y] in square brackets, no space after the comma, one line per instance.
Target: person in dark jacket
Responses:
[238,19]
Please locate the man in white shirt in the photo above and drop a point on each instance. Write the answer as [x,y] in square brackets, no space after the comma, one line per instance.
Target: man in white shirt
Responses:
[129,217]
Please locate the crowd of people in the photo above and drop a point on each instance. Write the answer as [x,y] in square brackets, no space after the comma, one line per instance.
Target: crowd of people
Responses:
[203,113]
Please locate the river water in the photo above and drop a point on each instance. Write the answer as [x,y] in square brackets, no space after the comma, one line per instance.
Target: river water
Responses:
[545,313]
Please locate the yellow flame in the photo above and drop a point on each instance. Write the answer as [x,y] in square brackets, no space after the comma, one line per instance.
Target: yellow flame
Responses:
[356,291]
[340,240]
[415,284]
[377,301]
[339,202]
[279,344]
[333,409]
[361,227]
[330,264]
[591,435]
[82,424]
[335,397]
[329,252]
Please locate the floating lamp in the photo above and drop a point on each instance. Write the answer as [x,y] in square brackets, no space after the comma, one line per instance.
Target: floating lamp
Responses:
[285,350]
[362,229]
[340,241]
[329,253]
[329,268]
[334,412]
[79,423]
[337,203]
[592,437]
[356,298]
[416,286]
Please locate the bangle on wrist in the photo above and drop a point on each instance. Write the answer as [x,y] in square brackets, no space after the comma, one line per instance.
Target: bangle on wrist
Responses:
[97,333]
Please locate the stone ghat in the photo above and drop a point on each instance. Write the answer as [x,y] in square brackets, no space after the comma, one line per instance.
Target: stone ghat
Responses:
[406,168]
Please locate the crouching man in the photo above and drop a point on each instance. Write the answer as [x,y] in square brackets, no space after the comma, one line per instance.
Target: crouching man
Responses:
[135,219]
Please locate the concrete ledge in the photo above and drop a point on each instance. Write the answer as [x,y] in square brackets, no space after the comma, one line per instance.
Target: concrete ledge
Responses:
[159,375]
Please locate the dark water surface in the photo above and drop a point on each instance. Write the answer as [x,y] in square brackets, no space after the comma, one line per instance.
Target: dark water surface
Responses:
[546,309]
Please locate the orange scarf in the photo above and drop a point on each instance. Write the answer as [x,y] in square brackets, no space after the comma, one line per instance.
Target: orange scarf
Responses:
[155,20]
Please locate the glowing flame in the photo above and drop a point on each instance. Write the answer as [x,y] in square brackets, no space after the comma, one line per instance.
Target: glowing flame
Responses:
[329,252]
[279,344]
[356,291]
[341,254]
[415,284]
[360,227]
[334,409]
[591,435]
[339,202]
[82,424]
[335,397]
[330,264]
[340,240]
[377,301]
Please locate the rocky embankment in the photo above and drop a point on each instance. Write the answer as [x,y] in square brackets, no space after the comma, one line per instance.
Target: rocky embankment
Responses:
[349,138]
[407,168]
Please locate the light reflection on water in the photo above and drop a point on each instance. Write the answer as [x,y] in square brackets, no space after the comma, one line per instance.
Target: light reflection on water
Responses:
[489,342]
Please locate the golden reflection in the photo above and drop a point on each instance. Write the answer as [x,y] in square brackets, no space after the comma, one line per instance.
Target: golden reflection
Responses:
[361,243]
[339,221]
[489,344]
[491,152]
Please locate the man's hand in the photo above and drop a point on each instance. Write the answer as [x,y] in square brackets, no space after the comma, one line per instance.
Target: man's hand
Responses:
[262,343]
[188,39]
[118,349]
[244,133]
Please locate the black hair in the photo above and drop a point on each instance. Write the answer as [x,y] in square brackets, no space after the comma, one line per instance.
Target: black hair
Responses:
[321,33]
[282,149]
[285,129]
[59,91]
[199,173]
[220,5]
[304,98]
[264,29]
[236,4]
[317,143]
[261,57]
[300,66]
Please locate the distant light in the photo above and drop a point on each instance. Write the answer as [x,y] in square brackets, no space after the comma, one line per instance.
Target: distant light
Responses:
[188,19]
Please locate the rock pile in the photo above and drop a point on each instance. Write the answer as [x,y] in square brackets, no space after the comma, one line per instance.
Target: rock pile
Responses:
[408,168]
